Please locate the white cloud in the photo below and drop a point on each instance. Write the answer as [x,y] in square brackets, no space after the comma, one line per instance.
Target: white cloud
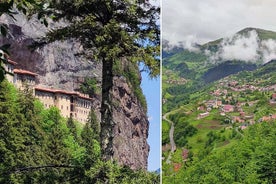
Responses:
[246,47]
[240,47]
[189,43]
[213,19]
[269,50]
[150,118]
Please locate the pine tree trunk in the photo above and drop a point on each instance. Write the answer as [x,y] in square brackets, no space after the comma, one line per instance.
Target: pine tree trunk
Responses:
[107,123]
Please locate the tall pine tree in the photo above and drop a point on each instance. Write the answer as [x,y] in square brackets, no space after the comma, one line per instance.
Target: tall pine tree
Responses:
[112,31]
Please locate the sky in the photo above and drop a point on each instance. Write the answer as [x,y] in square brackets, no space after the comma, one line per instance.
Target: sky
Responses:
[200,21]
[151,89]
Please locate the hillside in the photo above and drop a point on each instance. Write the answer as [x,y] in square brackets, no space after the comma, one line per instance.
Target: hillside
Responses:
[218,118]
[221,116]
[214,60]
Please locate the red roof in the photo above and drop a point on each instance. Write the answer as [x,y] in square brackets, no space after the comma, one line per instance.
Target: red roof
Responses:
[62,92]
[228,107]
[185,154]
[25,72]
[12,62]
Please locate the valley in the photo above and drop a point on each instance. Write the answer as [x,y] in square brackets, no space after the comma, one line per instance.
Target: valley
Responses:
[215,111]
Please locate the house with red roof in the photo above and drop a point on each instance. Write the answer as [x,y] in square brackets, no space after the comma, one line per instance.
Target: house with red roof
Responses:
[228,108]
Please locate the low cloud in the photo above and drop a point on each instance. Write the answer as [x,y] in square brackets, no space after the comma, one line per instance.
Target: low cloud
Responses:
[268,48]
[189,44]
[150,118]
[240,47]
[245,47]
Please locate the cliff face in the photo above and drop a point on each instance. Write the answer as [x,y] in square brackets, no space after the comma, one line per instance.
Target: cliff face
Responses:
[131,127]
[61,65]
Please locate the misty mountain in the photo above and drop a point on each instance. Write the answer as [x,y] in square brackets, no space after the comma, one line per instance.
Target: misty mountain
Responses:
[169,50]
[245,50]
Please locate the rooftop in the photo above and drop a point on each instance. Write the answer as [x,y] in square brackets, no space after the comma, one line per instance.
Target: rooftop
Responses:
[63,92]
[12,62]
[25,72]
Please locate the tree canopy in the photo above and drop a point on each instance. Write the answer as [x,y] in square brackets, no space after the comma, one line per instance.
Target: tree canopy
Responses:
[111,31]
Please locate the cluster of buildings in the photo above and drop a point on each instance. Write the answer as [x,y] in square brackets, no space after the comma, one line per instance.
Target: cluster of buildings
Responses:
[224,107]
[214,104]
[70,103]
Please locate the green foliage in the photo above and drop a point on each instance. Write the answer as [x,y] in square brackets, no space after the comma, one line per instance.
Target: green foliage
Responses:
[111,31]
[183,129]
[165,132]
[252,160]
[94,124]
[89,86]
[37,145]
[130,72]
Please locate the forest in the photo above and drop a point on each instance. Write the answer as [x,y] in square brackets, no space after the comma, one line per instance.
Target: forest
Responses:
[37,145]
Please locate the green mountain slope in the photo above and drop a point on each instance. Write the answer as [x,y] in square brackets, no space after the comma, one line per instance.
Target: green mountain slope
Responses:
[225,69]
[198,69]
[224,117]
[213,138]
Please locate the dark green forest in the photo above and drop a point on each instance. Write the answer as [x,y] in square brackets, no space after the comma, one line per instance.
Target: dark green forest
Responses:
[37,145]
[251,160]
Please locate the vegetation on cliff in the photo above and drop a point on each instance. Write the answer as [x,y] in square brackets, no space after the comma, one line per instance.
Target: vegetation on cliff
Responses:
[111,30]
[37,145]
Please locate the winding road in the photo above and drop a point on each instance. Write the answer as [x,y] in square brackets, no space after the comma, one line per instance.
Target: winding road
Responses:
[173,146]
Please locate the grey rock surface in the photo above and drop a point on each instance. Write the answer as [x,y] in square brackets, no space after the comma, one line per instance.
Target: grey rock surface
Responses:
[60,65]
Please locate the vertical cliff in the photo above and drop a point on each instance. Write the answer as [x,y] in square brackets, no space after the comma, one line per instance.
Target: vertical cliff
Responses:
[64,65]
[131,126]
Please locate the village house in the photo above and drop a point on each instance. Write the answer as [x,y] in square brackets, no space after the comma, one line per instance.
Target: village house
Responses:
[213,103]
[201,108]
[242,113]
[228,108]
[272,101]
[269,118]
[203,115]
[237,119]
[233,83]
[242,127]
